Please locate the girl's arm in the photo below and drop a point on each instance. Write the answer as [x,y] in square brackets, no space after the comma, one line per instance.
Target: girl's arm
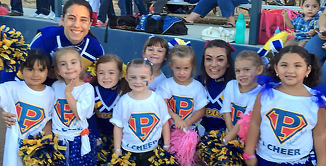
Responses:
[70,98]
[227,119]
[286,19]
[48,128]
[8,118]
[319,137]
[195,117]
[166,135]
[179,123]
[233,133]
[117,137]
[253,132]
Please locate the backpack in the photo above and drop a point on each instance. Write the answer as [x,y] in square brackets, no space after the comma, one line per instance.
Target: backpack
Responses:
[162,24]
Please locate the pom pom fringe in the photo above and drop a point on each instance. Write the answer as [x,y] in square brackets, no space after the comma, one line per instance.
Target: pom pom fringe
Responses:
[244,123]
[162,157]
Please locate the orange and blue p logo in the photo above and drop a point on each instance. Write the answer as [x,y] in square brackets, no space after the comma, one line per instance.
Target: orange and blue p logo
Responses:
[143,124]
[285,124]
[28,116]
[182,106]
[64,113]
[236,111]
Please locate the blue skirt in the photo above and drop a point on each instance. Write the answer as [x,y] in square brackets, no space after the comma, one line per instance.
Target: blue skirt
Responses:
[263,162]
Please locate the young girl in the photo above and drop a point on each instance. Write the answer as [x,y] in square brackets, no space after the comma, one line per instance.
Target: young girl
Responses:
[140,116]
[156,50]
[30,101]
[304,24]
[217,70]
[74,104]
[242,92]
[286,122]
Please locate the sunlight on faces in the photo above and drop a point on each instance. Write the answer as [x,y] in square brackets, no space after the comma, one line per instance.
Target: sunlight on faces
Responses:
[292,69]
[246,71]
[108,74]
[216,62]
[156,54]
[34,77]
[138,77]
[182,69]
[310,8]
[69,66]
[76,23]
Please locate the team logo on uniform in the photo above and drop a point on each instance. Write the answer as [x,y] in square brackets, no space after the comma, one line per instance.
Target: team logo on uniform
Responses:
[143,124]
[64,113]
[181,105]
[236,111]
[28,116]
[285,124]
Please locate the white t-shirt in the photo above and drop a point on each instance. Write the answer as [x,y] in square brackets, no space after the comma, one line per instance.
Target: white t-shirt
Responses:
[141,122]
[33,110]
[157,80]
[65,122]
[286,127]
[237,102]
[184,100]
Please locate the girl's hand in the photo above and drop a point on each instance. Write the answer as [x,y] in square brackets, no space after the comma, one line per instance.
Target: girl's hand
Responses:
[324,46]
[118,152]
[311,32]
[180,124]
[321,34]
[8,118]
[70,86]
[99,142]
[251,162]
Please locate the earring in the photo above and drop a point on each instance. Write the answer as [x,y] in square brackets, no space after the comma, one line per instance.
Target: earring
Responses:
[276,75]
[307,75]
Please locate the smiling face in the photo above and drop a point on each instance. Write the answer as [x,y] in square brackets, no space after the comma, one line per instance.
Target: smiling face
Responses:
[69,66]
[138,77]
[35,76]
[246,71]
[182,68]
[216,62]
[108,74]
[292,69]
[76,23]
[310,8]
[156,54]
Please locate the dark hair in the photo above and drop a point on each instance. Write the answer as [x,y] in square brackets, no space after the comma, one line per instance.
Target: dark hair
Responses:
[303,1]
[184,51]
[37,55]
[136,62]
[229,72]
[153,41]
[77,2]
[311,59]
[250,55]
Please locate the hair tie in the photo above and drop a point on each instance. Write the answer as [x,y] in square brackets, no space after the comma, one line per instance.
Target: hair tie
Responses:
[150,36]
[206,43]
[231,47]
[145,59]
[177,41]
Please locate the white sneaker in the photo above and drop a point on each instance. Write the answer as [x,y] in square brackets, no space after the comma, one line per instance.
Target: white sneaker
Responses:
[50,16]
[33,15]
[40,16]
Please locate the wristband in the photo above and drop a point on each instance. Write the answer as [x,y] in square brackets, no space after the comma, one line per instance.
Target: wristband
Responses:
[117,150]
[248,157]
[166,146]
[224,142]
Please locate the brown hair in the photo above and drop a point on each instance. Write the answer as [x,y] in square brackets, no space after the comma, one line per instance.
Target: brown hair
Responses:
[153,41]
[250,55]
[63,52]
[183,51]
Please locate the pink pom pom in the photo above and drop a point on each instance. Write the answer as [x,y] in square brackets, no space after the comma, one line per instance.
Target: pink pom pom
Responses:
[244,123]
[3,11]
[183,144]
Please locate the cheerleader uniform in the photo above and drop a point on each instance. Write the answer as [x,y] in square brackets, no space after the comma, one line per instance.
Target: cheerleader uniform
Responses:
[71,130]
[286,129]
[33,109]
[141,122]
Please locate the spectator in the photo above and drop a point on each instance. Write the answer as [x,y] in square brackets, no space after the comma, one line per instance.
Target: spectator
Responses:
[52,14]
[106,10]
[205,6]
[126,7]
[42,9]
[16,8]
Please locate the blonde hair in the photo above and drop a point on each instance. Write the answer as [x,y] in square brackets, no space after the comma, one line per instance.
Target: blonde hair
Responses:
[183,51]
[250,55]
[63,52]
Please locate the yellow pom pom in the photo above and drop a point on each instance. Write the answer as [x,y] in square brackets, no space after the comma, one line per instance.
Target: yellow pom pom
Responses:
[124,70]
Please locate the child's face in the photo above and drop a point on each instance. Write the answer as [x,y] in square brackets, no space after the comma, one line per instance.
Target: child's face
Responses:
[310,8]
[292,69]
[69,66]
[215,62]
[34,77]
[181,68]
[246,71]
[156,54]
[108,74]
[138,77]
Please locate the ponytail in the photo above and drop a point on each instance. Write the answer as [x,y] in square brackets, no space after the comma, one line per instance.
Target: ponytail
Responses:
[313,78]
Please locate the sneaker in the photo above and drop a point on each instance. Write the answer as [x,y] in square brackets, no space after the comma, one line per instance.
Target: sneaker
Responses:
[99,23]
[277,2]
[40,16]
[15,14]
[51,16]
[33,15]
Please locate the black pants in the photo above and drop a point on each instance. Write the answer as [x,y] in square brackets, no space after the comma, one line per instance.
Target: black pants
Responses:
[43,7]
[106,10]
